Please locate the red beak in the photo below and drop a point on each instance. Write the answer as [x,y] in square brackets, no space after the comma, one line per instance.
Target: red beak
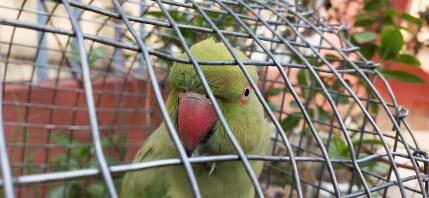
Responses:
[196,117]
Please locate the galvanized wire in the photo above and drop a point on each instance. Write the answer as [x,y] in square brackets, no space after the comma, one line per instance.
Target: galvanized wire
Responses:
[328,96]
[383,103]
[169,123]
[90,102]
[4,157]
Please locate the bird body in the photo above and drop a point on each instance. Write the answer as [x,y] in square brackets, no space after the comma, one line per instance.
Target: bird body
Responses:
[202,134]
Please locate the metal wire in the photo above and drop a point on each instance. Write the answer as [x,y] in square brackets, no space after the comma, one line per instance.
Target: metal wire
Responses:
[4,157]
[169,123]
[372,86]
[90,102]
[258,94]
[76,120]
[328,96]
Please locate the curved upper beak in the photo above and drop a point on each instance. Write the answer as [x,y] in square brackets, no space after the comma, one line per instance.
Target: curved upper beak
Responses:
[196,117]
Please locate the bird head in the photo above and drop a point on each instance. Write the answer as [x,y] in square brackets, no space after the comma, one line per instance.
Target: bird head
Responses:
[195,116]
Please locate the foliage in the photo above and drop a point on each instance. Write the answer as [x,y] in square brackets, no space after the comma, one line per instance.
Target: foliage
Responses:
[81,156]
[379,31]
[191,37]
[94,57]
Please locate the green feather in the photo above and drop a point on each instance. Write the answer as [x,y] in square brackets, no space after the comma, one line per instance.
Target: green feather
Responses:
[224,179]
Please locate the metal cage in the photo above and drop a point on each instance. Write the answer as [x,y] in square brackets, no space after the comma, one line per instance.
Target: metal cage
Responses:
[83,83]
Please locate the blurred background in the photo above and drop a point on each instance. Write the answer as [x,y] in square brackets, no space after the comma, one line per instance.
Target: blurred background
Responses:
[411,17]
[411,93]
[408,75]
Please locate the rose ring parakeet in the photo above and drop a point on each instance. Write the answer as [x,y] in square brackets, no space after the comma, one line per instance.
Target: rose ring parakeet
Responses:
[202,134]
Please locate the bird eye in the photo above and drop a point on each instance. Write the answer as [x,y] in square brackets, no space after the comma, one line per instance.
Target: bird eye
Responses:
[246,94]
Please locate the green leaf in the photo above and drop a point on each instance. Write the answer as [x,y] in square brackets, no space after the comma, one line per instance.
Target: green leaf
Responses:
[412,32]
[338,148]
[368,50]
[213,15]
[364,21]
[323,115]
[380,168]
[93,163]
[296,59]
[358,182]
[75,56]
[374,4]
[370,163]
[372,142]
[293,104]
[312,61]
[408,60]
[81,152]
[290,122]
[61,140]
[301,77]
[402,76]
[366,139]
[96,55]
[343,100]
[114,139]
[59,191]
[155,13]
[374,107]
[391,42]
[105,141]
[389,20]
[178,16]
[411,18]
[273,106]
[189,37]
[303,82]
[332,57]
[96,190]
[273,91]
[228,19]
[63,161]
[198,21]
[365,37]
[391,12]
[307,131]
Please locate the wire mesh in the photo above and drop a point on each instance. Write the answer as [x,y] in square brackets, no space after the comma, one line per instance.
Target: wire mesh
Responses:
[83,85]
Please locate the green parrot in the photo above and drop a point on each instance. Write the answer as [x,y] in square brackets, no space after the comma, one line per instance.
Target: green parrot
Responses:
[201,133]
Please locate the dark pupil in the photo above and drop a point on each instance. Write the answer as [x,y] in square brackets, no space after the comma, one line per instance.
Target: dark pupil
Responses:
[247,92]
